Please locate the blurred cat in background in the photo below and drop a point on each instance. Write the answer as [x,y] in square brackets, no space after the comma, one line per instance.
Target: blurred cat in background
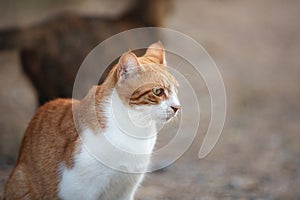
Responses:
[55,48]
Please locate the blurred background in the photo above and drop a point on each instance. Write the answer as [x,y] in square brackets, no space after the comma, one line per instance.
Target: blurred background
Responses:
[255,44]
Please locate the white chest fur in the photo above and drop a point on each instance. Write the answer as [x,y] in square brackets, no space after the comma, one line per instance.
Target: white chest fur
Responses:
[96,174]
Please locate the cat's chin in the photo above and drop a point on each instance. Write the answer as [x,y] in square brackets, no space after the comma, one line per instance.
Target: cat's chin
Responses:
[170,119]
[164,120]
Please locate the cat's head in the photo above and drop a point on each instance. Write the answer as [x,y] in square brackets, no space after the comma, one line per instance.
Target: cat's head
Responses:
[146,87]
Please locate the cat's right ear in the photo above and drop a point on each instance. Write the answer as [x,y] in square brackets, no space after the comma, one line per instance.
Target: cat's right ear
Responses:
[127,64]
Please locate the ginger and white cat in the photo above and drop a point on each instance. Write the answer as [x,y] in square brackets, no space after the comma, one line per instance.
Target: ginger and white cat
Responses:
[66,141]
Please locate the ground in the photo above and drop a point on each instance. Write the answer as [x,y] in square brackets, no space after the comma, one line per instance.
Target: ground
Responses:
[255,44]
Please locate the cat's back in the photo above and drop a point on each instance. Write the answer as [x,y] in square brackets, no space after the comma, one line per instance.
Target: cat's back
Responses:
[53,115]
[49,141]
[52,130]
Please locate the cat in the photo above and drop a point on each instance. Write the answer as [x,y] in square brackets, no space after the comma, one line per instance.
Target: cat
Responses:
[59,44]
[57,155]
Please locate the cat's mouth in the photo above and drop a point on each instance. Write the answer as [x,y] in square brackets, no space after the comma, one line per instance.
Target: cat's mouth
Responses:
[170,116]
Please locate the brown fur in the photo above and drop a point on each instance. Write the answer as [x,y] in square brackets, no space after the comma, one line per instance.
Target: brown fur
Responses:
[51,132]
[52,137]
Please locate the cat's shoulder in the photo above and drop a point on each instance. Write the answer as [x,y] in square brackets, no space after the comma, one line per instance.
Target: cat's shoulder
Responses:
[52,113]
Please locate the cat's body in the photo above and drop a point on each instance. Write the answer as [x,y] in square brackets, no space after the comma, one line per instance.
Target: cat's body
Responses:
[61,157]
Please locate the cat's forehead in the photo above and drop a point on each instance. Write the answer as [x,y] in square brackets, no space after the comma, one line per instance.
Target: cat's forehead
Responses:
[158,74]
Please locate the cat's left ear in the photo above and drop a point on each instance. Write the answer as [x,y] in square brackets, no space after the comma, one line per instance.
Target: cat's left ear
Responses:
[127,64]
[157,52]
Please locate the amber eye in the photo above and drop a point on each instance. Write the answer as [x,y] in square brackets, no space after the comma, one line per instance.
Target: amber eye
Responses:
[158,91]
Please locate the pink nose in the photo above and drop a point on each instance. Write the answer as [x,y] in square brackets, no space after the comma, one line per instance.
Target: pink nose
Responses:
[175,108]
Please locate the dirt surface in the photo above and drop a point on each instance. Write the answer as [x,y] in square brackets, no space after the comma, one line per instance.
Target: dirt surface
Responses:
[255,45]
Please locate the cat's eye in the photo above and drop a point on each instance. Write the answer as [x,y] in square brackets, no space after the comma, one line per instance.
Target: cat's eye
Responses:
[158,91]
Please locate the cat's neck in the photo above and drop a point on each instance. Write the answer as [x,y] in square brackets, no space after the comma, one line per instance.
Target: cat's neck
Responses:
[126,128]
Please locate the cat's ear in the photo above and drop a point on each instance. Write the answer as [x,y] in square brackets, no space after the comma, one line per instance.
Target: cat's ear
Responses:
[157,52]
[127,64]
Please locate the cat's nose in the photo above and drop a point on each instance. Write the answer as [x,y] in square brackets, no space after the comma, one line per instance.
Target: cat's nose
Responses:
[175,108]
